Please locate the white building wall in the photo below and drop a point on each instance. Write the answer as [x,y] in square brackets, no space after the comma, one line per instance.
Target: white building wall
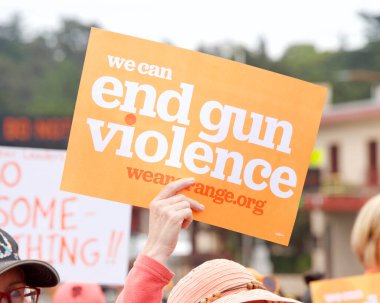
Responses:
[341,260]
[352,140]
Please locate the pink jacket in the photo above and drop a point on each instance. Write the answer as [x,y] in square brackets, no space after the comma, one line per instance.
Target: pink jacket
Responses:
[145,282]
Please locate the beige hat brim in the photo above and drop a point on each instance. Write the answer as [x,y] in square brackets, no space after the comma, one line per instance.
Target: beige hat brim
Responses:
[254,295]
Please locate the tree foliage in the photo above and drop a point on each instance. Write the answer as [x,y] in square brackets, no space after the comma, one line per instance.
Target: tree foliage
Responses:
[40,75]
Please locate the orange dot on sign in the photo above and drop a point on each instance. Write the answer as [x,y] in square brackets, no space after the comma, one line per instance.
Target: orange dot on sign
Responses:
[130,119]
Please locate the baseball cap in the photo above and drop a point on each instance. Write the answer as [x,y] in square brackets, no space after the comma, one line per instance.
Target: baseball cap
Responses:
[79,292]
[37,273]
[221,281]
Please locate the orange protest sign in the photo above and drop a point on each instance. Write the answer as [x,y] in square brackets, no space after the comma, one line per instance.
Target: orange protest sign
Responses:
[356,289]
[148,113]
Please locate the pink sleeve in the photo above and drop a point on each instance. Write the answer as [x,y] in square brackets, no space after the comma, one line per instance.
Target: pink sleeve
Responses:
[145,282]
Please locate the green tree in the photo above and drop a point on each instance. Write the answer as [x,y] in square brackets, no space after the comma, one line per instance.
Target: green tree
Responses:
[373,26]
[41,76]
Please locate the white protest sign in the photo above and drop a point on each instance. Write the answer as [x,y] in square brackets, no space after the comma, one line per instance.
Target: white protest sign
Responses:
[84,238]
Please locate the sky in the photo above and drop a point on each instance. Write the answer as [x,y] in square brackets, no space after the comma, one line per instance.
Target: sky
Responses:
[189,24]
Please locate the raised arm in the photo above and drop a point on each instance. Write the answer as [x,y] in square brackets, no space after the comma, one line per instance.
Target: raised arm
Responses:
[169,212]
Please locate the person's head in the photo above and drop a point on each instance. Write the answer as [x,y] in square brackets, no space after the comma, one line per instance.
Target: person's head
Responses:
[20,279]
[365,236]
[221,281]
[75,292]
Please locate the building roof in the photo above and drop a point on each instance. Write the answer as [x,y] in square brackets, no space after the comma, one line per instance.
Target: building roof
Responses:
[351,111]
[338,203]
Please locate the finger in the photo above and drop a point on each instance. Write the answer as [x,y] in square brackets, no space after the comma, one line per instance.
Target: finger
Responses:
[187,217]
[179,198]
[172,188]
[167,203]
[186,223]
[180,205]
[174,199]
[195,205]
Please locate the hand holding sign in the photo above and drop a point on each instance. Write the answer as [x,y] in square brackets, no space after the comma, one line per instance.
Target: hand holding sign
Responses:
[169,213]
